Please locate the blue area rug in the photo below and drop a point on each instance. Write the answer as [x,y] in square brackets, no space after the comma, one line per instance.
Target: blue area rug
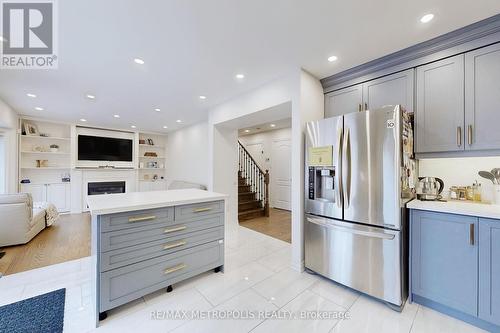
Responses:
[44,313]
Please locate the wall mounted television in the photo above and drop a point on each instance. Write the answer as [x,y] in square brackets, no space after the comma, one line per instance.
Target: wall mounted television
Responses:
[99,148]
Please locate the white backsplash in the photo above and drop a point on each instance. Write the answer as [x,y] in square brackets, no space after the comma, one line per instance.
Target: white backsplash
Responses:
[460,171]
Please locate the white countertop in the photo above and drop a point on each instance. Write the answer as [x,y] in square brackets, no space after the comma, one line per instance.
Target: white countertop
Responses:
[458,207]
[124,202]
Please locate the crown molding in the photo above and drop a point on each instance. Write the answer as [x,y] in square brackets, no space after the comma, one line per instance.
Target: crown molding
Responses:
[476,35]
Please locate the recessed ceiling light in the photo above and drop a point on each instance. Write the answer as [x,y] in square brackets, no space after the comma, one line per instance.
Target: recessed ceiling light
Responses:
[31,95]
[116,116]
[83,119]
[38,108]
[203,97]
[426,18]
[240,76]
[178,121]
[332,58]
[157,109]
[133,126]
[139,61]
[165,127]
[247,131]
[273,125]
[89,96]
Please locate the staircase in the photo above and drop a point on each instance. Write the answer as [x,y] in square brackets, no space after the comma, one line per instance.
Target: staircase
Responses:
[253,187]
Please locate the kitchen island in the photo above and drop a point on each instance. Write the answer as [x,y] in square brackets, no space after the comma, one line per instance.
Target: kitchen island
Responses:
[145,241]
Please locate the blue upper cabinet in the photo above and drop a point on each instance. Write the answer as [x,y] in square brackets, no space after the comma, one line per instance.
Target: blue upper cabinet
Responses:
[390,90]
[482,98]
[344,101]
[439,114]
[444,259]
[489,268]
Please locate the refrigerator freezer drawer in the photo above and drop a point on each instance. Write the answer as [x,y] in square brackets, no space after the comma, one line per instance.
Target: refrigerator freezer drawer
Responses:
[364,258]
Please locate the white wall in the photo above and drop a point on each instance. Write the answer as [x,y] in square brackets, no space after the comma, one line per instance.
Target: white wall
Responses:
[187,154]
[311,108]
[460,171]
[267,139]
[8,127]
[223,133]
[306,96]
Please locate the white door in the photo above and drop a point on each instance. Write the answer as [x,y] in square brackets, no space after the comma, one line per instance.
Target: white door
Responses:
[38,192]
[58,194]
[256,150]
[281,174]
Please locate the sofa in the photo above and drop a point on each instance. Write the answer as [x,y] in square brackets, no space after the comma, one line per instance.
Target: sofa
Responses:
[19,221]
[180,184]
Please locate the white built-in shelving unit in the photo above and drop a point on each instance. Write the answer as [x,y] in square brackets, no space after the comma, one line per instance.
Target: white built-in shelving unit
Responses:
[151,169]
[43,166]
[46,178]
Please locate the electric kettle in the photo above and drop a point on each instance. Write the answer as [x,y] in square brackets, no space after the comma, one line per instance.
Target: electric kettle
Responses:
[429,188]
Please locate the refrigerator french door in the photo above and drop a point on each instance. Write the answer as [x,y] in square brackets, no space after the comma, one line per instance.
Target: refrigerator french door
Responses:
[362,242]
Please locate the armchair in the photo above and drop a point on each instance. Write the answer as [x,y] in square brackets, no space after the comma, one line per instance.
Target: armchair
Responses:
[19,222]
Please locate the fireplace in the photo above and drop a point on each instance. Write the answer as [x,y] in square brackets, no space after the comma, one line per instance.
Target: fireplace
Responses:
[96,188]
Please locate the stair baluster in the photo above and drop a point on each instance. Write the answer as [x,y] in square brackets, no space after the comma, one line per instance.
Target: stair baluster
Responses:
[254,181]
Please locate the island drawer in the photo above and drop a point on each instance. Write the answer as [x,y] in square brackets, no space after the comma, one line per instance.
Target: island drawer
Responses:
[122,239]
[132,254]
[136,219]
[125,284]
[187,212]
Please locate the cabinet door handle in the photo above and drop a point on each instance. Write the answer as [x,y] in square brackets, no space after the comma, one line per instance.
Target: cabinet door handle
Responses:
[360,107]
[366,106]
[174,245]
[459,136]
[469,135]
[471,234]
[141,218]
[174,269]
[167,231]
[199,210]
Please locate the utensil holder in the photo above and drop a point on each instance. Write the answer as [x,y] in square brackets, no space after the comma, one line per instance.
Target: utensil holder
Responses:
[496,194]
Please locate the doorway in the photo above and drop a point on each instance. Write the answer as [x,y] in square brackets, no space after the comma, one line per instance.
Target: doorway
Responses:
[265,147]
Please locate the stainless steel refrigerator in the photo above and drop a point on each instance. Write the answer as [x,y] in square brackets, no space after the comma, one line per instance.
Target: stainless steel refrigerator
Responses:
[360,173]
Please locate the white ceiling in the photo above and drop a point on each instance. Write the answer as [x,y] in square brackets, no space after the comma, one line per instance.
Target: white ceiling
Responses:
[194,48]
[266,127]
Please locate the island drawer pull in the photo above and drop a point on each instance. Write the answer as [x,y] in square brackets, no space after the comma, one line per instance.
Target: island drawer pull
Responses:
[199,210]
[141,218]
[174,245]
[182,227]
[174,269]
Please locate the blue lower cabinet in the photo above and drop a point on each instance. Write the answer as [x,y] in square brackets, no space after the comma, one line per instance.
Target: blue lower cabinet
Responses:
[489,268]
[455,266]
[444,261]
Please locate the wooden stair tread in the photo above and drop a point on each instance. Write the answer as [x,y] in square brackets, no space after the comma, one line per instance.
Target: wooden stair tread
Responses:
[248,201]
[255,210]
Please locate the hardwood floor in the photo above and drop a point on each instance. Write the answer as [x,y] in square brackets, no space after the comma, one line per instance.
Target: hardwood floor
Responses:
[66,240]
[277,225]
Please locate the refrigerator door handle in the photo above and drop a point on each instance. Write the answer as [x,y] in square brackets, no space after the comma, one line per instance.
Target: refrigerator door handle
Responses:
[338,172]
[332,225]
[346,168]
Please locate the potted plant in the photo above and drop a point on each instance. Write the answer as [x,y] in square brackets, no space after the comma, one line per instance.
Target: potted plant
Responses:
[54,148]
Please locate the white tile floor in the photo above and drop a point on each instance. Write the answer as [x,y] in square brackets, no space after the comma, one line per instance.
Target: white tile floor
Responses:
[257,278]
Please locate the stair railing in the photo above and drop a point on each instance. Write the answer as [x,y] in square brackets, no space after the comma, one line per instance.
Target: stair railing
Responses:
[255,177]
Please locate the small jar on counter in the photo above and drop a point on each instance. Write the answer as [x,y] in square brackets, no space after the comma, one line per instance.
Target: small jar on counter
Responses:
[462,193]
[453,193]
[469,193]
